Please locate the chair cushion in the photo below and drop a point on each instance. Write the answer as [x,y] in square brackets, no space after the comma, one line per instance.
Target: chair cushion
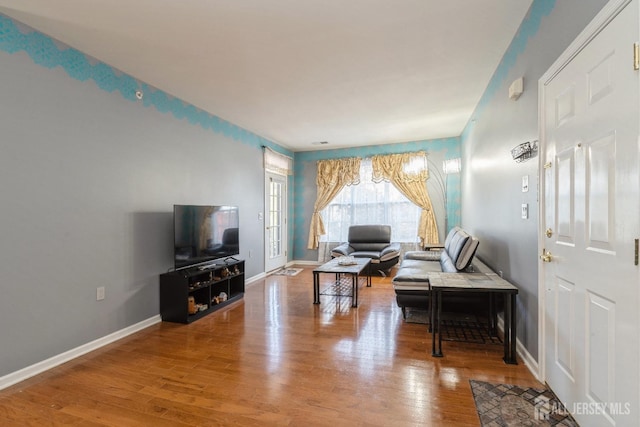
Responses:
[371,246]
[411,278]
[449,238]
[457,243]
[423,255]
[374,255]
[447,264]
[426,266]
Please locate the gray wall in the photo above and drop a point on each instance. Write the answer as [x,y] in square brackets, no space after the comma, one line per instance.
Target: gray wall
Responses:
[88,180]
[491,180]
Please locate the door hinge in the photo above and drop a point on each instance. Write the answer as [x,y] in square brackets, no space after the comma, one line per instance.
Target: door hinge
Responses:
[636,56]
[547,165]
[635,243]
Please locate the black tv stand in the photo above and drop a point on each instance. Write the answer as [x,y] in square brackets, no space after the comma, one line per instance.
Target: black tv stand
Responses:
[206,285]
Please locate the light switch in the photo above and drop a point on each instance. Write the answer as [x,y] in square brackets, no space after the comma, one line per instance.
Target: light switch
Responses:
[525,183]
[525,211]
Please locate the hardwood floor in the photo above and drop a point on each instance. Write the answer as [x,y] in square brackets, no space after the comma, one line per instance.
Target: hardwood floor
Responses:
[272,359]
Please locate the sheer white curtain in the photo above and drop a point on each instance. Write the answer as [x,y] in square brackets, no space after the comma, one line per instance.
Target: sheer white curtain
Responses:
[369,203]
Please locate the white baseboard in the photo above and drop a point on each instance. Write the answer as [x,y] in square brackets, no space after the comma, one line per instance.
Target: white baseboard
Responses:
[255,278]
[38,368]
[303,262]
[526,357]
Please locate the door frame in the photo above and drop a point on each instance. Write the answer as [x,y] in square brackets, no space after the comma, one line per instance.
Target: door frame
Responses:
[285,214]
[599,22]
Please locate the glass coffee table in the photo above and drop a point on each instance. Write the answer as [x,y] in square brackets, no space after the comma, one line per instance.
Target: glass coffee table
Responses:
[346,276]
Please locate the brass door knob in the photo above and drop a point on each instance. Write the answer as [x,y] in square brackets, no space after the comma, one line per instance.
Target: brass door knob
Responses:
[549,232]
[546,256]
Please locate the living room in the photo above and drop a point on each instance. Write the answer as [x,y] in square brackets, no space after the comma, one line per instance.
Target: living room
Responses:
[93,161]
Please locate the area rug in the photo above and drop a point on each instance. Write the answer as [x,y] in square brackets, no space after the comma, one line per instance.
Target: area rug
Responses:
[457,326]
[288,271]
[417,316]
[510,405]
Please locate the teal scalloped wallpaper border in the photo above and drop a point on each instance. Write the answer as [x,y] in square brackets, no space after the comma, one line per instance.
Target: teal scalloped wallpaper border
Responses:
[45,52]
[529,28]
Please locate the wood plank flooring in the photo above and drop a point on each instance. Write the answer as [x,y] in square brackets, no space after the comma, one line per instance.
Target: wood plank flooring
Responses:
[273,358]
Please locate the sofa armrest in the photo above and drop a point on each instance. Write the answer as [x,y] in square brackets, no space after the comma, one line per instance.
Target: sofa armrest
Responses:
[342,250]
[390,252]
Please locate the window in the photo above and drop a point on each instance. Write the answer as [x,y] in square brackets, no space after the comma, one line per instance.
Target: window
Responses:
[370,203]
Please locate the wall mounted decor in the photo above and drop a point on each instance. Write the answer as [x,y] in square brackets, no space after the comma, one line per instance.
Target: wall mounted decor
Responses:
[524,151]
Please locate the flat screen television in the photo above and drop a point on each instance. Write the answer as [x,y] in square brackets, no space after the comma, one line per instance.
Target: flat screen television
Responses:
[203,234]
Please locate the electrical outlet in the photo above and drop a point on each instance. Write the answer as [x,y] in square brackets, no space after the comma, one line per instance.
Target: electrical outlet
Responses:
[525,210]
[100,293]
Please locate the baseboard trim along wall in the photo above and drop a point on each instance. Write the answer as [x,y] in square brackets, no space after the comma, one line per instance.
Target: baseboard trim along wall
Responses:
[45,365]
[40,367]
[304,262]
[521,351]
[254,279]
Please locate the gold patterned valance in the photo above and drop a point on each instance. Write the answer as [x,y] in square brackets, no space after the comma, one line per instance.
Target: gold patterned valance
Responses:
[405,167]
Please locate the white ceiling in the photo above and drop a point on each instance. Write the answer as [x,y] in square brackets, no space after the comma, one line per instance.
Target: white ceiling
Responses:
[350,72]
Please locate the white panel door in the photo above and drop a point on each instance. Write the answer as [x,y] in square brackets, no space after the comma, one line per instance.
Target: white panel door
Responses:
[590,115]
[276,223]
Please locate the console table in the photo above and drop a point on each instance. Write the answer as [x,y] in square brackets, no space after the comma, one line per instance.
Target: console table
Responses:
[440,283]
[342,272]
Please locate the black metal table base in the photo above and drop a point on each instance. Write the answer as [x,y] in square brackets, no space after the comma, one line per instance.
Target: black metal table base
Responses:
[344,285]
[340,283]
[509,340]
